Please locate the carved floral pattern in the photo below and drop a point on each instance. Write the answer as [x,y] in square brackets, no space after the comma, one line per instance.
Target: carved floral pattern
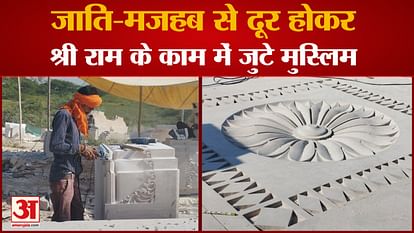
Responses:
[311,131]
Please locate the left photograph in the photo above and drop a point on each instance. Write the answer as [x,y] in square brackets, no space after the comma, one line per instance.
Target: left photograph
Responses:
[100,153]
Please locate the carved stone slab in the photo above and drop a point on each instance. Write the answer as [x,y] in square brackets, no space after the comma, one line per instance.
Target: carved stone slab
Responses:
[141,181]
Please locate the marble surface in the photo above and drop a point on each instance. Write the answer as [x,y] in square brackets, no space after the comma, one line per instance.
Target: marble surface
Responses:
[186,152]
[140,181]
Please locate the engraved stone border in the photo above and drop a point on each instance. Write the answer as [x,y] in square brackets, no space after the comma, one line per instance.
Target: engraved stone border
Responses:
[307,86]
[211,160]
[261,94]
[262,209]
[370,96]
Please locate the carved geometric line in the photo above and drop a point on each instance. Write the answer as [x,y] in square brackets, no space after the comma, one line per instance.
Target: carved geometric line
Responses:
[405,163]
[370,96]
[376,177]
[384,174]
[394,173]
[247,201]
[239,190]
[243,193]
[275,216]
[381,175]
[389,173]
[234,188]
[224,175]
[356,185]
[263,94]
[335,195]
[212,160]
[311,204]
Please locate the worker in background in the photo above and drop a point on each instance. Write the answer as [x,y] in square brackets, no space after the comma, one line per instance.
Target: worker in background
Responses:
[69,125]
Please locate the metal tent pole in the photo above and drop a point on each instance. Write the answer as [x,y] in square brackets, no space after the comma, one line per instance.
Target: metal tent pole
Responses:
[20,111]
[182,115]
[49,82]
[140,111]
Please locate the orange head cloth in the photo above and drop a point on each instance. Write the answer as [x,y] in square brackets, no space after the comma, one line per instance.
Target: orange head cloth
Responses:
[73,107]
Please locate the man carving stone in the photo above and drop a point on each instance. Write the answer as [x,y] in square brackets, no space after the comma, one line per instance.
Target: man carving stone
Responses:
[69,124]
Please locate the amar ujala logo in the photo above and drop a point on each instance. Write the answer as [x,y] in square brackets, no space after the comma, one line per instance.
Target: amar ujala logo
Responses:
[25,211]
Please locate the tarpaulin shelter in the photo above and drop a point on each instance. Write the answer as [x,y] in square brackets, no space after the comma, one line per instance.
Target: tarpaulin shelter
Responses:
[166,92]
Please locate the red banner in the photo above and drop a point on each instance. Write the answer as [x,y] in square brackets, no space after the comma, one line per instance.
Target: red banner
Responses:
[266,37]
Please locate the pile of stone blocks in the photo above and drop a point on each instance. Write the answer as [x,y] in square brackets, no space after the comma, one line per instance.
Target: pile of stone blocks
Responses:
[13,130]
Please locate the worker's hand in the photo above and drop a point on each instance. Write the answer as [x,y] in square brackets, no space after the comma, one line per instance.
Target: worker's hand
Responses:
[88,152]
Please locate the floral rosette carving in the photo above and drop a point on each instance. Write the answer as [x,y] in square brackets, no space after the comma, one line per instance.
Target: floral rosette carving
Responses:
[311,131]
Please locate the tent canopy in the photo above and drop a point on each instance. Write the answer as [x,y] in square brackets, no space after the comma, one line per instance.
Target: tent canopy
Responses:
[166,92]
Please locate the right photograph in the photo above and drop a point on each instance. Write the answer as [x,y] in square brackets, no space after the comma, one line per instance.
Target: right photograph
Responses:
[306,153]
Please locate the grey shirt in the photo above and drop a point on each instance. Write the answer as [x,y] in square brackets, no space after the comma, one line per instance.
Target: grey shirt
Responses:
[64,144]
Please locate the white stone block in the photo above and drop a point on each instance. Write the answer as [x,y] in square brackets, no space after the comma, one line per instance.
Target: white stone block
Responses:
[135,184]
[156,149]
[13,130]
[186,152]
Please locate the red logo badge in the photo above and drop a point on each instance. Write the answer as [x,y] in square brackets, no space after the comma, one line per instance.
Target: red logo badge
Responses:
[25,209]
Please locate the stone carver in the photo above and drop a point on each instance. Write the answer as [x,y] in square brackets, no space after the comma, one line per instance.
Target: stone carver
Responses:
[69,125]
